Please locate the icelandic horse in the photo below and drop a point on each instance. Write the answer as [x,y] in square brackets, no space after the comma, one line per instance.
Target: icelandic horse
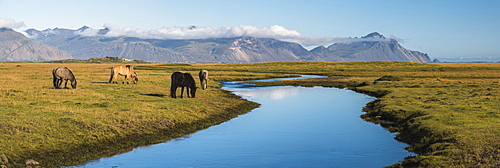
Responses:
[127,71]
[203,78]
[183,80]
[63,74]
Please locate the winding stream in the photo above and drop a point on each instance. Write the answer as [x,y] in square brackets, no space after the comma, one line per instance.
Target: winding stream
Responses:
[294,127]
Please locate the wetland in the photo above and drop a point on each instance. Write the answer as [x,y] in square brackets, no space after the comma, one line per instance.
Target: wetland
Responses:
[293,127]
[448,114]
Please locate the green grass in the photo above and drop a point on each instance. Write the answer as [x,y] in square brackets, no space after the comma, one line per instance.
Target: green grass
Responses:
[449,114]
[69,126]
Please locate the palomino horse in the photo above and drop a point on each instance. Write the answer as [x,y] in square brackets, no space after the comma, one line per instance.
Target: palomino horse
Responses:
[61,74]
[203,78]
[183,80]
[127,71]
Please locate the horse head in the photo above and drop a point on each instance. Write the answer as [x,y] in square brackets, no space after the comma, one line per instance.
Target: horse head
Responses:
[135,79]
[193,91]
[73,84]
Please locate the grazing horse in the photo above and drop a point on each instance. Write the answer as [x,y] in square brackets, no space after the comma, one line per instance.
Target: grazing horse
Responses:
[61,74]
[127,71]
[203,78]
[183,80]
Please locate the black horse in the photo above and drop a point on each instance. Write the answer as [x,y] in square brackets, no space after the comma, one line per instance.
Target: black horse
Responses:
[183,80]
[63,74]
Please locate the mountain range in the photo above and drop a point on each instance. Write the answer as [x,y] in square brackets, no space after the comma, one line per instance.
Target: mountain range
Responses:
[372,47]
[15,46]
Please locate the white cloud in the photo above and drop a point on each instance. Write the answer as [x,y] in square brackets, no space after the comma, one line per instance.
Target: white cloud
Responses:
[10,23]
[88,32]
[275,31]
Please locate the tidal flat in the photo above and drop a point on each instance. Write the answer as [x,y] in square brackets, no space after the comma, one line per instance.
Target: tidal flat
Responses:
[448,113]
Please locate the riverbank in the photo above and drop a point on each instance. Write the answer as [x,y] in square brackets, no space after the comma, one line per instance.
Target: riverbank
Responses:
[448,113]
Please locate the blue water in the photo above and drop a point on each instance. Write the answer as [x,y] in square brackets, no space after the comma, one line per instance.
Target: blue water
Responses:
[294,127]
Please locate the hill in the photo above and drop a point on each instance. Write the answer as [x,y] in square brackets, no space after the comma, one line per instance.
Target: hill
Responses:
[14,46]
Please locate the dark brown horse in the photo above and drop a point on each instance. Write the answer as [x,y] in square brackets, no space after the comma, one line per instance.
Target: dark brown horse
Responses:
[63,74]
[203,78]
[183,80]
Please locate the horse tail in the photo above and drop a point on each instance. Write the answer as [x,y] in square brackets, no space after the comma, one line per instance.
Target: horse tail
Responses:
[112,74]
[54,75]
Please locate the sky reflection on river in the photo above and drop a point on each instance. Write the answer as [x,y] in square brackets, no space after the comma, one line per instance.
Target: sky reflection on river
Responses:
[294,127]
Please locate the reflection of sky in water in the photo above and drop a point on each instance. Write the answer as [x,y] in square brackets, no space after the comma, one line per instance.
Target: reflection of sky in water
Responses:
[249,91]
[274,93]
[294,127]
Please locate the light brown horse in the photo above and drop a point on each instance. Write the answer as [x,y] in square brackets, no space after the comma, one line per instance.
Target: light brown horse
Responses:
[203,78]
[63,74]
[127,71]
[183,80]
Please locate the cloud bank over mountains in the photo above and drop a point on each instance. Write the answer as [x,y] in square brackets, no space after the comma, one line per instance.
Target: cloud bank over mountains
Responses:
[10,23]
[193,32]
[276,31]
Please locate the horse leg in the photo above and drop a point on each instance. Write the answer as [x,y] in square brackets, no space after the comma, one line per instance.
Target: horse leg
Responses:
[204,83]
[54,82]
[59,82]
[115,78]
[173,89]
[182,91]
[187,92]
[65,84]
[126,78]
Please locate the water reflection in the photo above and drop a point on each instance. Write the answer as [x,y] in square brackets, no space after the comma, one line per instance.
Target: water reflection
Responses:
[294,127]
[274,94]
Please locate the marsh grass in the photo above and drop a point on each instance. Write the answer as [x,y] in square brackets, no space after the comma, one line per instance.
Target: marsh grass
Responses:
[449,113]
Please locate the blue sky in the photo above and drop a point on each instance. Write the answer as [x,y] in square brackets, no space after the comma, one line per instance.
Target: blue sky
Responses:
[443,29]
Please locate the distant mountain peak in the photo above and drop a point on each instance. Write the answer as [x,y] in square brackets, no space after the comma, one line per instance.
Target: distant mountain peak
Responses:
[374,35]
[103,31]
[4,29]
[83,28]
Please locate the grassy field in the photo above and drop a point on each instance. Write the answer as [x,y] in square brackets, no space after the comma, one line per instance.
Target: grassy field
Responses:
[448,113]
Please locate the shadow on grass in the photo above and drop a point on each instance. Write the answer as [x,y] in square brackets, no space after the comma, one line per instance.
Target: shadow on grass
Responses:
[156,95]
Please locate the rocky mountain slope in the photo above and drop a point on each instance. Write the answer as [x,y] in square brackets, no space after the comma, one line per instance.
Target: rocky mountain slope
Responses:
[239,49]
[14,46]
[369,50]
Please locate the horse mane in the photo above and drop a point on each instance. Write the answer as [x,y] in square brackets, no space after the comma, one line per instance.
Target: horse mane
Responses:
[71,73]
[190,77]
